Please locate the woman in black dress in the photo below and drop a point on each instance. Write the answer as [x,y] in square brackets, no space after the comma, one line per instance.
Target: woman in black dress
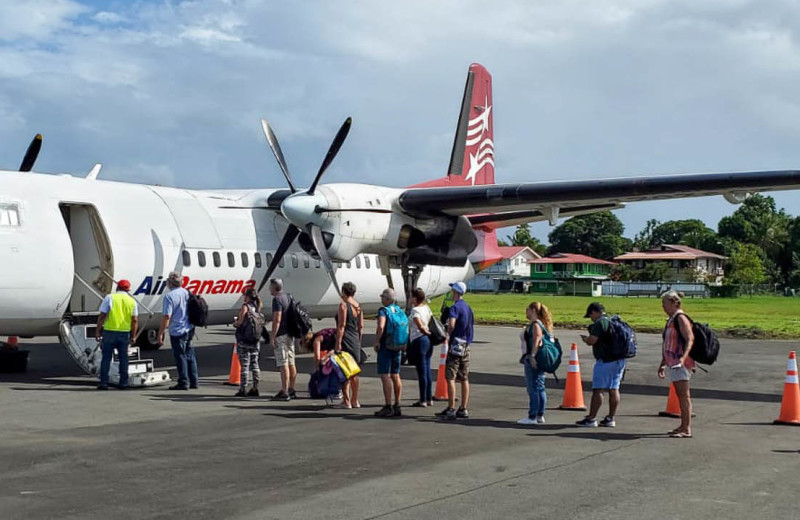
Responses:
[350,324]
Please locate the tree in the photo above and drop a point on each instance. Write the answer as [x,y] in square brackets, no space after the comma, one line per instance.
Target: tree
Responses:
[691,232]
[502,243]
[644,238]
[654,272]
[745,265]
[522,237]
[598,235]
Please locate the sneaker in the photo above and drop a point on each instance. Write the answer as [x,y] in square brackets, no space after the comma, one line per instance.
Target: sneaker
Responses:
[102,387]
[396,411]
[462,413]
[608,422]
[178,387]
[540,419]
[587,422]
[386,411]
[450,415]
[253,392]
[240,393]
[527,421]
[444,412]
[281,396]
[292,393]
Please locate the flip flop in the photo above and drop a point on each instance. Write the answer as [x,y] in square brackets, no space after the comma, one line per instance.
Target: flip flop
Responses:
[341,406]
[676,430]
[680,435]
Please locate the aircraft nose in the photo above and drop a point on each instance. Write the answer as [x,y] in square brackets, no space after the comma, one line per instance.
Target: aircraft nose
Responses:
[299,209]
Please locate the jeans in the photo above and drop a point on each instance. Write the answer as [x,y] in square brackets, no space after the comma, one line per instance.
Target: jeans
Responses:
[120,341]
[185,361]
[534,380]
[423,344]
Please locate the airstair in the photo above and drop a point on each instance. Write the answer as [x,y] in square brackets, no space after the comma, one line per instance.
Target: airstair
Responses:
[77,334]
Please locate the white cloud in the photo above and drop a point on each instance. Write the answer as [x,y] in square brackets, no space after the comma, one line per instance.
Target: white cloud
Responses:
[36,19]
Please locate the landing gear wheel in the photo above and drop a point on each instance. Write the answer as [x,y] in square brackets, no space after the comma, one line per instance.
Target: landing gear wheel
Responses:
[148,340]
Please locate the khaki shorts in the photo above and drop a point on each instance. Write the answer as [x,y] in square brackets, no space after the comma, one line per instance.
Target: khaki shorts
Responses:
[284,351]
[457,368]
[679,374]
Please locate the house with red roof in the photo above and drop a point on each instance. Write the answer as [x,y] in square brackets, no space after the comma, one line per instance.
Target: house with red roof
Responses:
[686,263]
[506,274]
[568,273]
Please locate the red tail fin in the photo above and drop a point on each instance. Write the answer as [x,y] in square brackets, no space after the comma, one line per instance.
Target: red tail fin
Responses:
[472,158]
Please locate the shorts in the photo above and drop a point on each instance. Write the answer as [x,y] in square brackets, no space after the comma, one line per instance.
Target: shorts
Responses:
[457,368]
[284,351]
[389,361]
[607,374]
[679,374]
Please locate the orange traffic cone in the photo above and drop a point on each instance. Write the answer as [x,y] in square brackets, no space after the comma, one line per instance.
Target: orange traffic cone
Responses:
[790,405]
[573,392]
[440,394]
[235,377]
[673,405]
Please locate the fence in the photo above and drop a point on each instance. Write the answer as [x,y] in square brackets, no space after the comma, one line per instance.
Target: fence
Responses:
[654,289]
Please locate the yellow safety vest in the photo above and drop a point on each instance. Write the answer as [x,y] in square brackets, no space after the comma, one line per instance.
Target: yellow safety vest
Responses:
[119,317]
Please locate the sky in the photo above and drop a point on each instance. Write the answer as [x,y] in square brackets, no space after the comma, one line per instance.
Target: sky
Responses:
[171,92]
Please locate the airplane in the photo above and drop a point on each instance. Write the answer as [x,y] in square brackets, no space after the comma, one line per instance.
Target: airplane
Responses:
[65,241]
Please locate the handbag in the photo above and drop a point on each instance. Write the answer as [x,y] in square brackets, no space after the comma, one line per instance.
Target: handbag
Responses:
[438,334]
[458,347]
[347,364]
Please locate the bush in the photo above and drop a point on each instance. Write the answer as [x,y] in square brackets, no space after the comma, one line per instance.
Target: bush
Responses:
[724,291]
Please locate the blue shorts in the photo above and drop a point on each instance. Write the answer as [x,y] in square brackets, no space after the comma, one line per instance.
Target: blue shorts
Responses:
[607,374]
[389,361]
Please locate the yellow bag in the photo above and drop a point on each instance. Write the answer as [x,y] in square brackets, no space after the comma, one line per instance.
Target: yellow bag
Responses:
[344,360]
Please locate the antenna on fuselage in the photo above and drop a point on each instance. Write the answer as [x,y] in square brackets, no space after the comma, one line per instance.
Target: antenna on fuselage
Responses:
[94,171]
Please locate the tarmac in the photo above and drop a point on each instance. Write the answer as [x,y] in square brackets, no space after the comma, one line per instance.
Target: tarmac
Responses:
[68,451]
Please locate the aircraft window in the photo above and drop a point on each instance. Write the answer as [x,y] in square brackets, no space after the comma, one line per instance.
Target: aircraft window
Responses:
[295,262]
[338,264]
[231,260]
[306,261]
[217,260]
[317,263]
[258,259]
[281,263]
[245,260]
[187,258]
[366,262]
[358,262]
[349,265]
[268,259]
[9,215]
[378,262]
[201,259]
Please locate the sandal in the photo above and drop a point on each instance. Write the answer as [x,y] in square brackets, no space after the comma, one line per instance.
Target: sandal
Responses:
[419,404]
[341,406]
[357,405]
[680,435]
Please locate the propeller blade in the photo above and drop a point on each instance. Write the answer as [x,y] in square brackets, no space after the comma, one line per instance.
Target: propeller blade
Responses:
[291,233]
[31,154]
[319,245]
[332,151]
[276,150]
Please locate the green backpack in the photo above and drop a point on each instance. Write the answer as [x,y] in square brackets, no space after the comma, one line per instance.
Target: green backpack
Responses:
[548,357]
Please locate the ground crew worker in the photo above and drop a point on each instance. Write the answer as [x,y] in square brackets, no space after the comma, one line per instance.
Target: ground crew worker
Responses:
[117,326]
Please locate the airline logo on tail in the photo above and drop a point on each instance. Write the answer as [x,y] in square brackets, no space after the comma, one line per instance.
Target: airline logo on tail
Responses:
[479,133]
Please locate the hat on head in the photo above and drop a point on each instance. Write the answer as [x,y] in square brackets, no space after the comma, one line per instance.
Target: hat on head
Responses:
[123,285]
[594,307]
[459,287]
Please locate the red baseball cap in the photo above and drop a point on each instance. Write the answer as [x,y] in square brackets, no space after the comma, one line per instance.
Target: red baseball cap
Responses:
[124,285]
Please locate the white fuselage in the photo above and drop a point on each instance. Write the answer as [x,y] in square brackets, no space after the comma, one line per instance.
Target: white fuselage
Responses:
[64,239]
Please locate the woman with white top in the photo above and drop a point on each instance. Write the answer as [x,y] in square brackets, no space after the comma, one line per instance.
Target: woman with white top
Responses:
[419,317]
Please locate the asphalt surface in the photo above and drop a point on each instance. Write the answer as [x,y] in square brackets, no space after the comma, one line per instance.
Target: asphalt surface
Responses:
[69,452]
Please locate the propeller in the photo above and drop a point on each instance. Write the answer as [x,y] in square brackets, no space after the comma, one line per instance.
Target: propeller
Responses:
[31,154]
[302,209]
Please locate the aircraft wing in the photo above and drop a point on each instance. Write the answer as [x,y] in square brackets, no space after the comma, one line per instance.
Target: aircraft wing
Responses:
[527,202]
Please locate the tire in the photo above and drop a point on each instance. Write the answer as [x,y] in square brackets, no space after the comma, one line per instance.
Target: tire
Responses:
[148,340]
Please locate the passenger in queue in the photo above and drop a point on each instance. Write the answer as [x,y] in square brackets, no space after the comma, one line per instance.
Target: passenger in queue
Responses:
[540,322]
[675,360]
[248,353]
[181,332]
[350,326]
[282,341]
[420,343]
[117,326]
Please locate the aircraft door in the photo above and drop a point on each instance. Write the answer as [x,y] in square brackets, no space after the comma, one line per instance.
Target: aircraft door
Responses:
[92,256]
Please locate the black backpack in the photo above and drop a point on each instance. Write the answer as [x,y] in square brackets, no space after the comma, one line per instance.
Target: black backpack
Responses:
[622,340]
[705,348]
[298,323]
[251,330]
[197,309]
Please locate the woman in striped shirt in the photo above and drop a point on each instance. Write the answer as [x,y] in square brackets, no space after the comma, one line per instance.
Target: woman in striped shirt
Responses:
[675,360]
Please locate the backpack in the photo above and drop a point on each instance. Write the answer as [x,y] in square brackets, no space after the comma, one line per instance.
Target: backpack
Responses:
[197,309]
[438,334]
[705,348]
[251,330]
[298,323]
[396,328]
[622,343]
[548,357]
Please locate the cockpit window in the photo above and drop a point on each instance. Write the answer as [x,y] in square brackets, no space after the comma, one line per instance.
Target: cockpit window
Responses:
[9,215]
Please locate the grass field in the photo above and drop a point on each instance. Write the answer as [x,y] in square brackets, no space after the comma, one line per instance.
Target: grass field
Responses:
[757,317]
